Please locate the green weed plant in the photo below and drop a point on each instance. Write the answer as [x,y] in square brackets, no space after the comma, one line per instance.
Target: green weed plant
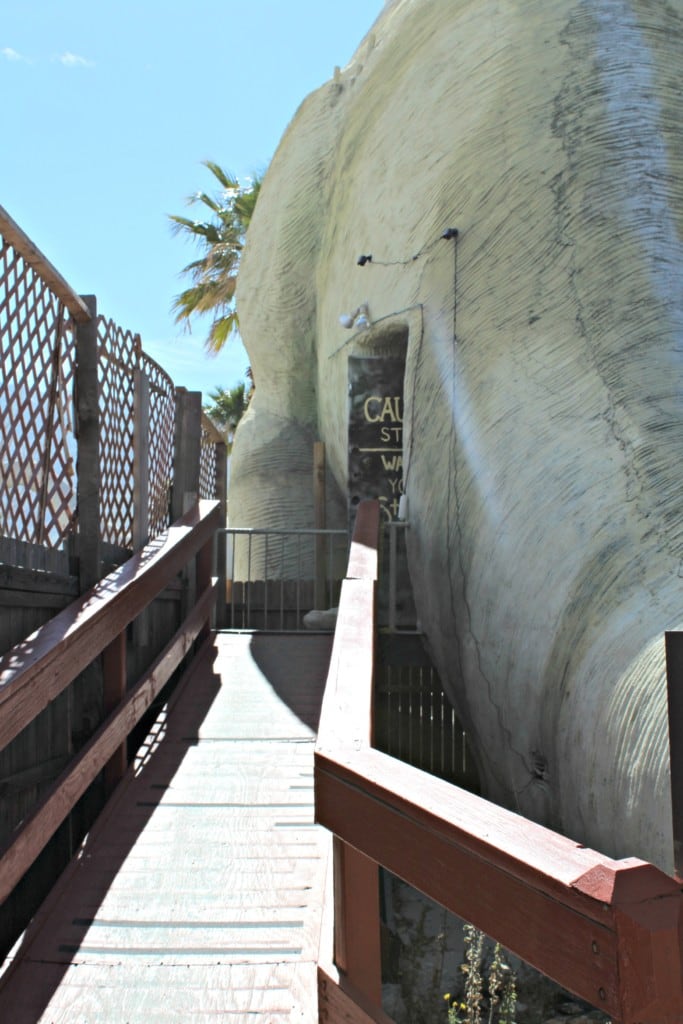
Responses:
[489,994]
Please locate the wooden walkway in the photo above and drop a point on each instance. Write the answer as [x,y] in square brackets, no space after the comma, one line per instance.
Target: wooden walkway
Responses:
[197,896]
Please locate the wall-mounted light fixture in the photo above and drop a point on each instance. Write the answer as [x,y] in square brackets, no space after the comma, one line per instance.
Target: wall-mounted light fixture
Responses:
[360,318]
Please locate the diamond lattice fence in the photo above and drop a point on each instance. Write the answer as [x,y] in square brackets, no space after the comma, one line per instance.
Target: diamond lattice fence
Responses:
[161,429]
[207,463]
[38,431]
[118,355]
[37,436]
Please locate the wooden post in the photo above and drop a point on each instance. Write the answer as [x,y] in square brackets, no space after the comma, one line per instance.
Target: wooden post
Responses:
[88,457]
[356,920]
[141,465]
[141,461]
[188,446]
[204,564]
[85,695]
[114,671]
[221,541]
[185,493]
[320,594]
[674,677]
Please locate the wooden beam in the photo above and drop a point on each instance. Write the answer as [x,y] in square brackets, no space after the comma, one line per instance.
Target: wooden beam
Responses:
[28,778]
[16,578]
[114,691]
[215,435]
[674,678]
[221,496]
[357,950]
[204,567]
[140,461]
[31,254]
[339,1002]
[188,445]
[346,716]
[26,844]
[36,670]
[88,453]
[363,558]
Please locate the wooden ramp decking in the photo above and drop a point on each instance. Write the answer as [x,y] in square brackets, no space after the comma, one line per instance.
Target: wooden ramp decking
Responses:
[197,896]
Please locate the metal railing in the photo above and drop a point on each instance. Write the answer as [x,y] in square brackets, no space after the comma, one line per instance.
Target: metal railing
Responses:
[275,577]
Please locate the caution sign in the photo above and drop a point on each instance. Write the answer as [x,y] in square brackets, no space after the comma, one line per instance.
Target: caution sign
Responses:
[376,432]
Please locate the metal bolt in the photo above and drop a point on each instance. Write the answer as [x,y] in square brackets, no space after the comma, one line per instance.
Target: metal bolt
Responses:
[594,946]
[602,993]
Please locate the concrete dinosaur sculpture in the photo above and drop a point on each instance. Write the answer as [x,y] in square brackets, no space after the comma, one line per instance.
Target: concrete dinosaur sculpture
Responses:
[543,347]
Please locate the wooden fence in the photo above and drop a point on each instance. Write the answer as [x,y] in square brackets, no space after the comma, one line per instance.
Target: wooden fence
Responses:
[92,444]
[99,453]
[609,931]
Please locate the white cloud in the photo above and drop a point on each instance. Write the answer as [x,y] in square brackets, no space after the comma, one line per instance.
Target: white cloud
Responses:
[72,60]
[9,54]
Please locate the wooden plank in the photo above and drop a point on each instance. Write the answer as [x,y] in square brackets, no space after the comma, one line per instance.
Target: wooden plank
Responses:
[346,717]
[199,993]
[34,599]
[340,1002]
[215,435]
[114,675]
[36,670]
[221,496]
[356,933]
[363,558]
[204,563]
[141,469]
[32,556]
[22,850]
[34,776]
[674,677]
[88,451]
[32,255]
[188,443]
[141,461]
[17,578]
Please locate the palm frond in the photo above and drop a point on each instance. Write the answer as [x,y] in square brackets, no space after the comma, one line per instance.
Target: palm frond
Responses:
[224,178]
[221,240]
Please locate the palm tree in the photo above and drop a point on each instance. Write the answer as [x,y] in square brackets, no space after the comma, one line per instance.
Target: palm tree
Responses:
[221,239]
[227,406]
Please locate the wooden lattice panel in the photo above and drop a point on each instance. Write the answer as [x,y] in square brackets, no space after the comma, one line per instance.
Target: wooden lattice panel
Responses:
[207,465]
[161,431]
[37,443]
[118,357]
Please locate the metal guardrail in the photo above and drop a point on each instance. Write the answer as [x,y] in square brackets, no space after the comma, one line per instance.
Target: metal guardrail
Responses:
[274,577]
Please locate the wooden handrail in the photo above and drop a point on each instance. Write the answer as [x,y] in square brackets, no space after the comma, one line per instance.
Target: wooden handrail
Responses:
[35,671]
[608,930]
[32,255]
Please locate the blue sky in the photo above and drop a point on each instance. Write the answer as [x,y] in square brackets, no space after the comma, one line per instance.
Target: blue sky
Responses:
[109,107]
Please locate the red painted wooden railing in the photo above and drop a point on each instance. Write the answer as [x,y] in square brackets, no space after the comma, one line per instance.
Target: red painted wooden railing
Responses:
[611,931]
[35,671]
